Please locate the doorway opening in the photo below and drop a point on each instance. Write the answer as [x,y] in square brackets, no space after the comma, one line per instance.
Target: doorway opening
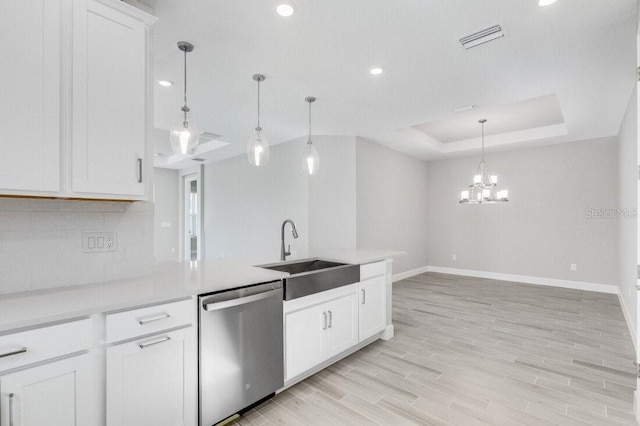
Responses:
[192,235]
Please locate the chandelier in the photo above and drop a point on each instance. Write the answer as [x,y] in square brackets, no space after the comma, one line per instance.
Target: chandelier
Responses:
[483,189]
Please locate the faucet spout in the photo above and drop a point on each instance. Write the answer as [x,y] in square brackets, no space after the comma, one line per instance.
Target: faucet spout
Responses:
[284,253]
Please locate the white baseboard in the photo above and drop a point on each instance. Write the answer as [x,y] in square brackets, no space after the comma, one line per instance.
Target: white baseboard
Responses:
[409,274]
[631,325]
[388,333]
[551,282]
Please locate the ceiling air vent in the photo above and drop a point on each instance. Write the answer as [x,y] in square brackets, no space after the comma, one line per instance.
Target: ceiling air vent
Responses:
[198,159]
[482,36]
[208,136]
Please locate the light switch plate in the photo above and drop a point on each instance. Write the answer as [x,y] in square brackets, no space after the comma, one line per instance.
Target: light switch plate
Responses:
[99,242]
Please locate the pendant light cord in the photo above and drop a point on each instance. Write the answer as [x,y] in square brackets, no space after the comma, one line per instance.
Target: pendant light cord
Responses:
[483,142]
[258,105]
[309,140]
[185,108]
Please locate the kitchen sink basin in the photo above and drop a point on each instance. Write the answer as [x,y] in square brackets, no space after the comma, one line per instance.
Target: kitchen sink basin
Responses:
[311,276]
[304,266]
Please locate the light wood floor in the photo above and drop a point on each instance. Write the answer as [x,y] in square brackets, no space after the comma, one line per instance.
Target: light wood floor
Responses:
[471,351]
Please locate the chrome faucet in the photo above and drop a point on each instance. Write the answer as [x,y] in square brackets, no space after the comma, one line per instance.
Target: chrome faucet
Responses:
[283,253]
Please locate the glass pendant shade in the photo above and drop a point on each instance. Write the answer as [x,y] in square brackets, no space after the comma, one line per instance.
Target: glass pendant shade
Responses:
[310,159]
[258,149]
[184,137]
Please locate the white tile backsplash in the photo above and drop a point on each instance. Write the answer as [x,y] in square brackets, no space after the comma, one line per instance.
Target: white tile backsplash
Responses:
[41,242]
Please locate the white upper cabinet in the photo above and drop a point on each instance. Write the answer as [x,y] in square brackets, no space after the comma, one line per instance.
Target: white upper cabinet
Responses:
[109,101]
[75,109]
[30,101]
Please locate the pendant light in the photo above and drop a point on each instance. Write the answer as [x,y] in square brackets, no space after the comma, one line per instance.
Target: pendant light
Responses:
[185,135]
[310,160]
[483,189]
[258,149]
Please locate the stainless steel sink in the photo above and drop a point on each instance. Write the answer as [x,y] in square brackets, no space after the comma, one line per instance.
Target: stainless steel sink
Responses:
[309,276]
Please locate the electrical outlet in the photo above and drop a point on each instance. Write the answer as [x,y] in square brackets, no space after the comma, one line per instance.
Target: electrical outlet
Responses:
[454,257]
[574,267]
[99,242]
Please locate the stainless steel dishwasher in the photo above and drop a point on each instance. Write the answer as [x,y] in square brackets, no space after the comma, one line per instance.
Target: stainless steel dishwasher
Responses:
[241,350]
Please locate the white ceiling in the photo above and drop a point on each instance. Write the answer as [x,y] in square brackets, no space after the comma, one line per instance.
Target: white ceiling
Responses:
[581,54]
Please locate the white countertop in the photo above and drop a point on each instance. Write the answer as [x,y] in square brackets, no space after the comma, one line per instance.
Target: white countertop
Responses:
[169,281]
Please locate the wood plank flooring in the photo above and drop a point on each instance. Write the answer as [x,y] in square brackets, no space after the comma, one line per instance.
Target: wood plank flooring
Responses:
[471,351]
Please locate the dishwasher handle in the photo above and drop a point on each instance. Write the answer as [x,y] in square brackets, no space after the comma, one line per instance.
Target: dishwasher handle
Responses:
[214,306]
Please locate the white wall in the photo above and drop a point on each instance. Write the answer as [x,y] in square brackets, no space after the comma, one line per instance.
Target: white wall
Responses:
[628,198]
[244,206]
[332,195]
[544,227]
[41,242]
[392,203]
[166,213]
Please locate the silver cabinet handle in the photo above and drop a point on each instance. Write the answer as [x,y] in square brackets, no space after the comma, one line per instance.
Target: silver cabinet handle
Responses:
[330,319]
[364,296]
[324,327]
[14,352]
[154,342]
[153,318]
[139,170]
[11,409]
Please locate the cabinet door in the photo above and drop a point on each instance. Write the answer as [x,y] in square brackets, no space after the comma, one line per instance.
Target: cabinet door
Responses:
[342,329]
[30,100]
[373,307]
[149,382]
[109,102]
[305,333]
[52,394]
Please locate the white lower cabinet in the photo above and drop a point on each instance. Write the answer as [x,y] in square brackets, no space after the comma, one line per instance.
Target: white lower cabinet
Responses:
[151,367]
[373,306]
[323,325]
[54,394]
[146,380]
[304,340]
[342,324]
[320,329]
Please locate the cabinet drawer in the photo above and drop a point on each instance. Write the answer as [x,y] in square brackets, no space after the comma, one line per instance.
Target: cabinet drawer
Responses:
[44,343]
[138,322]
[372,270]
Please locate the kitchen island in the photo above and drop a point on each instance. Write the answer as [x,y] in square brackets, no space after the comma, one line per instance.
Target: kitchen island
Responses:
[112,350]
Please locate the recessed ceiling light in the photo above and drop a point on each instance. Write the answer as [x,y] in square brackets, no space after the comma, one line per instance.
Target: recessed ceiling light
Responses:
[165,83]
[376,71]
[543,3]
[286,8]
